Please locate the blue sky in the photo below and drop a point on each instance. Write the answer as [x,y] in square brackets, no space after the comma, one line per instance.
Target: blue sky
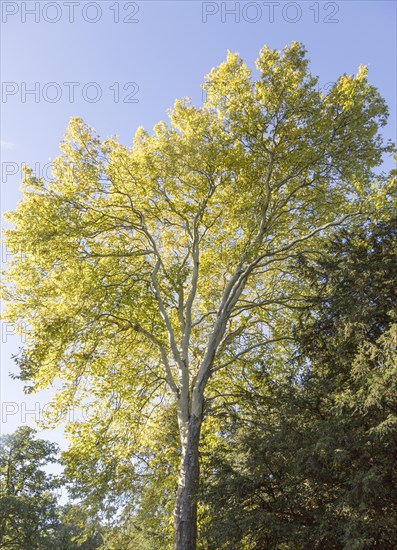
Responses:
[137,69]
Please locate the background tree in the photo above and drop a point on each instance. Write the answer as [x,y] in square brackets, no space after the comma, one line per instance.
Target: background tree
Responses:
[148,272]
[28,493]
[76,530]
[309,460]
[29,513]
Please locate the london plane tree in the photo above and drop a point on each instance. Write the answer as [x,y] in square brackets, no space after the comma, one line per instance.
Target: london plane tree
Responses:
[140,274]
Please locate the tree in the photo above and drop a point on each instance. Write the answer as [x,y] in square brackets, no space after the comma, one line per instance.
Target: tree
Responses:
[148,272]
[28,494]
[309,461]
[30,516]
[76,531]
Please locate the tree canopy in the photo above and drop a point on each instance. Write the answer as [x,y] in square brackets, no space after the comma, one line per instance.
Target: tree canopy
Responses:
[30,516]
[28,493]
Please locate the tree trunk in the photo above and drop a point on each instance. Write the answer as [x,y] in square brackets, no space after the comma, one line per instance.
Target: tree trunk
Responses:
[185,513]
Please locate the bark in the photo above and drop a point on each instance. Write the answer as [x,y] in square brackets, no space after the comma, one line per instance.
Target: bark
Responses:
[185,513]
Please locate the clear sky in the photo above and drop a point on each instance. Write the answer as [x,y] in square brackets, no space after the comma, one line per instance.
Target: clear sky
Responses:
[119,65]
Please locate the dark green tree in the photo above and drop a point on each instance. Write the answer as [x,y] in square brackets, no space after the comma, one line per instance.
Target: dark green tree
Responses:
[28,498]
[309,459]
[30,517]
